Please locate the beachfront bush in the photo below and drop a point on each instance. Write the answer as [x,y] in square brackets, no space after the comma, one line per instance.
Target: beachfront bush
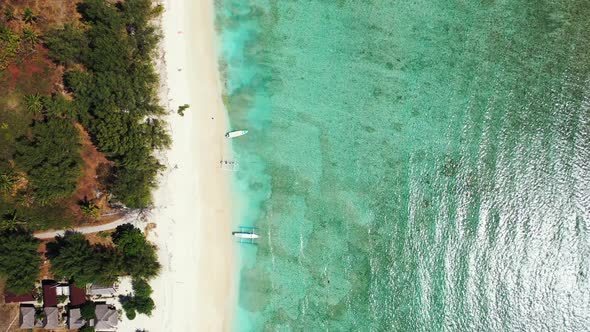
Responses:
[181,109]
[141,301]
[51,159]
[116,95]
[143,36]
[143,305]
[141,288]
[133,185]
[139,256]
[19,261]
[127,305]
[137,305]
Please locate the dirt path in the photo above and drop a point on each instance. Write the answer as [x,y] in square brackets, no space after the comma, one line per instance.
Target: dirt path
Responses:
[130,218]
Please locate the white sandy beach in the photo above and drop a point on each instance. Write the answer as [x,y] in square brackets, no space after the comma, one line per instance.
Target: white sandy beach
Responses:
[195,290]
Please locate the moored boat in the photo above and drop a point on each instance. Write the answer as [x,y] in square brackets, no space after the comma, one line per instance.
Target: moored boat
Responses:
[245,235]
[235,133]
[229,165]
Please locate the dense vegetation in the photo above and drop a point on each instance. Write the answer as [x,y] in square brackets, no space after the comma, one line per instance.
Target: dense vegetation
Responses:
[110,92]
[13,44]
[104,61]
[73,257]
[51,159]
[36,174]
[139,256]
[87,310]
[19,260]
[115,89]
[141,301]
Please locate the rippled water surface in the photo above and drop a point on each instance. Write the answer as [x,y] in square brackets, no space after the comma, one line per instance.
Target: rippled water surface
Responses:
[412,165]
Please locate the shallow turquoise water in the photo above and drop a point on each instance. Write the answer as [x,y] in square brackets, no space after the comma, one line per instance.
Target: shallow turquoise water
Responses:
[412,165]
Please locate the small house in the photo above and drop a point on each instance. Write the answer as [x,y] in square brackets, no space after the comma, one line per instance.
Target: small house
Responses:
[29,298]
[75,320]
[51,318]
[27,317]
[107,318]
[102,291]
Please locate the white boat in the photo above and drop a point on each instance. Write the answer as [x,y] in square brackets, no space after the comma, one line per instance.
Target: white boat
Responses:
[235,133]
[245,235]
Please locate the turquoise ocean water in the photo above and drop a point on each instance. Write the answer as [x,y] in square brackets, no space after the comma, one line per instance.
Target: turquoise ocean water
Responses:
[412,165]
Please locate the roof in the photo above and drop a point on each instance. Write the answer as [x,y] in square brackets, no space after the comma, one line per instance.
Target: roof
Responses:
[10,297]
[102,290]
[49,294]
[51,321]
[75,320]
[106,318]
[77,295]
[27,317]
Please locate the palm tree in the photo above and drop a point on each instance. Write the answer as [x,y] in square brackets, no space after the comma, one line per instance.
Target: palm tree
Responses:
[9,14]
[88,208]
[33,103]
[6,182]
[10,223]
[30,37]
[29,16]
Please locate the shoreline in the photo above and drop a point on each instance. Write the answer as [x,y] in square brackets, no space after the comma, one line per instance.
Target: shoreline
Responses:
[193,203]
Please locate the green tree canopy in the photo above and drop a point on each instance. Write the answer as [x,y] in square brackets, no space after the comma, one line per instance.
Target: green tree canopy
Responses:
[143,36]
[141,301]
[67,45]
[51,159]
[88,310]
[116,94]
[58,106]
[19,261]
[139,256]
[73,257]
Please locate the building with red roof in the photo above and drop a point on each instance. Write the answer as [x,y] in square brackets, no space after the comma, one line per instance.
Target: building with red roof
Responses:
[10,297]
[49,293]
[77,295]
